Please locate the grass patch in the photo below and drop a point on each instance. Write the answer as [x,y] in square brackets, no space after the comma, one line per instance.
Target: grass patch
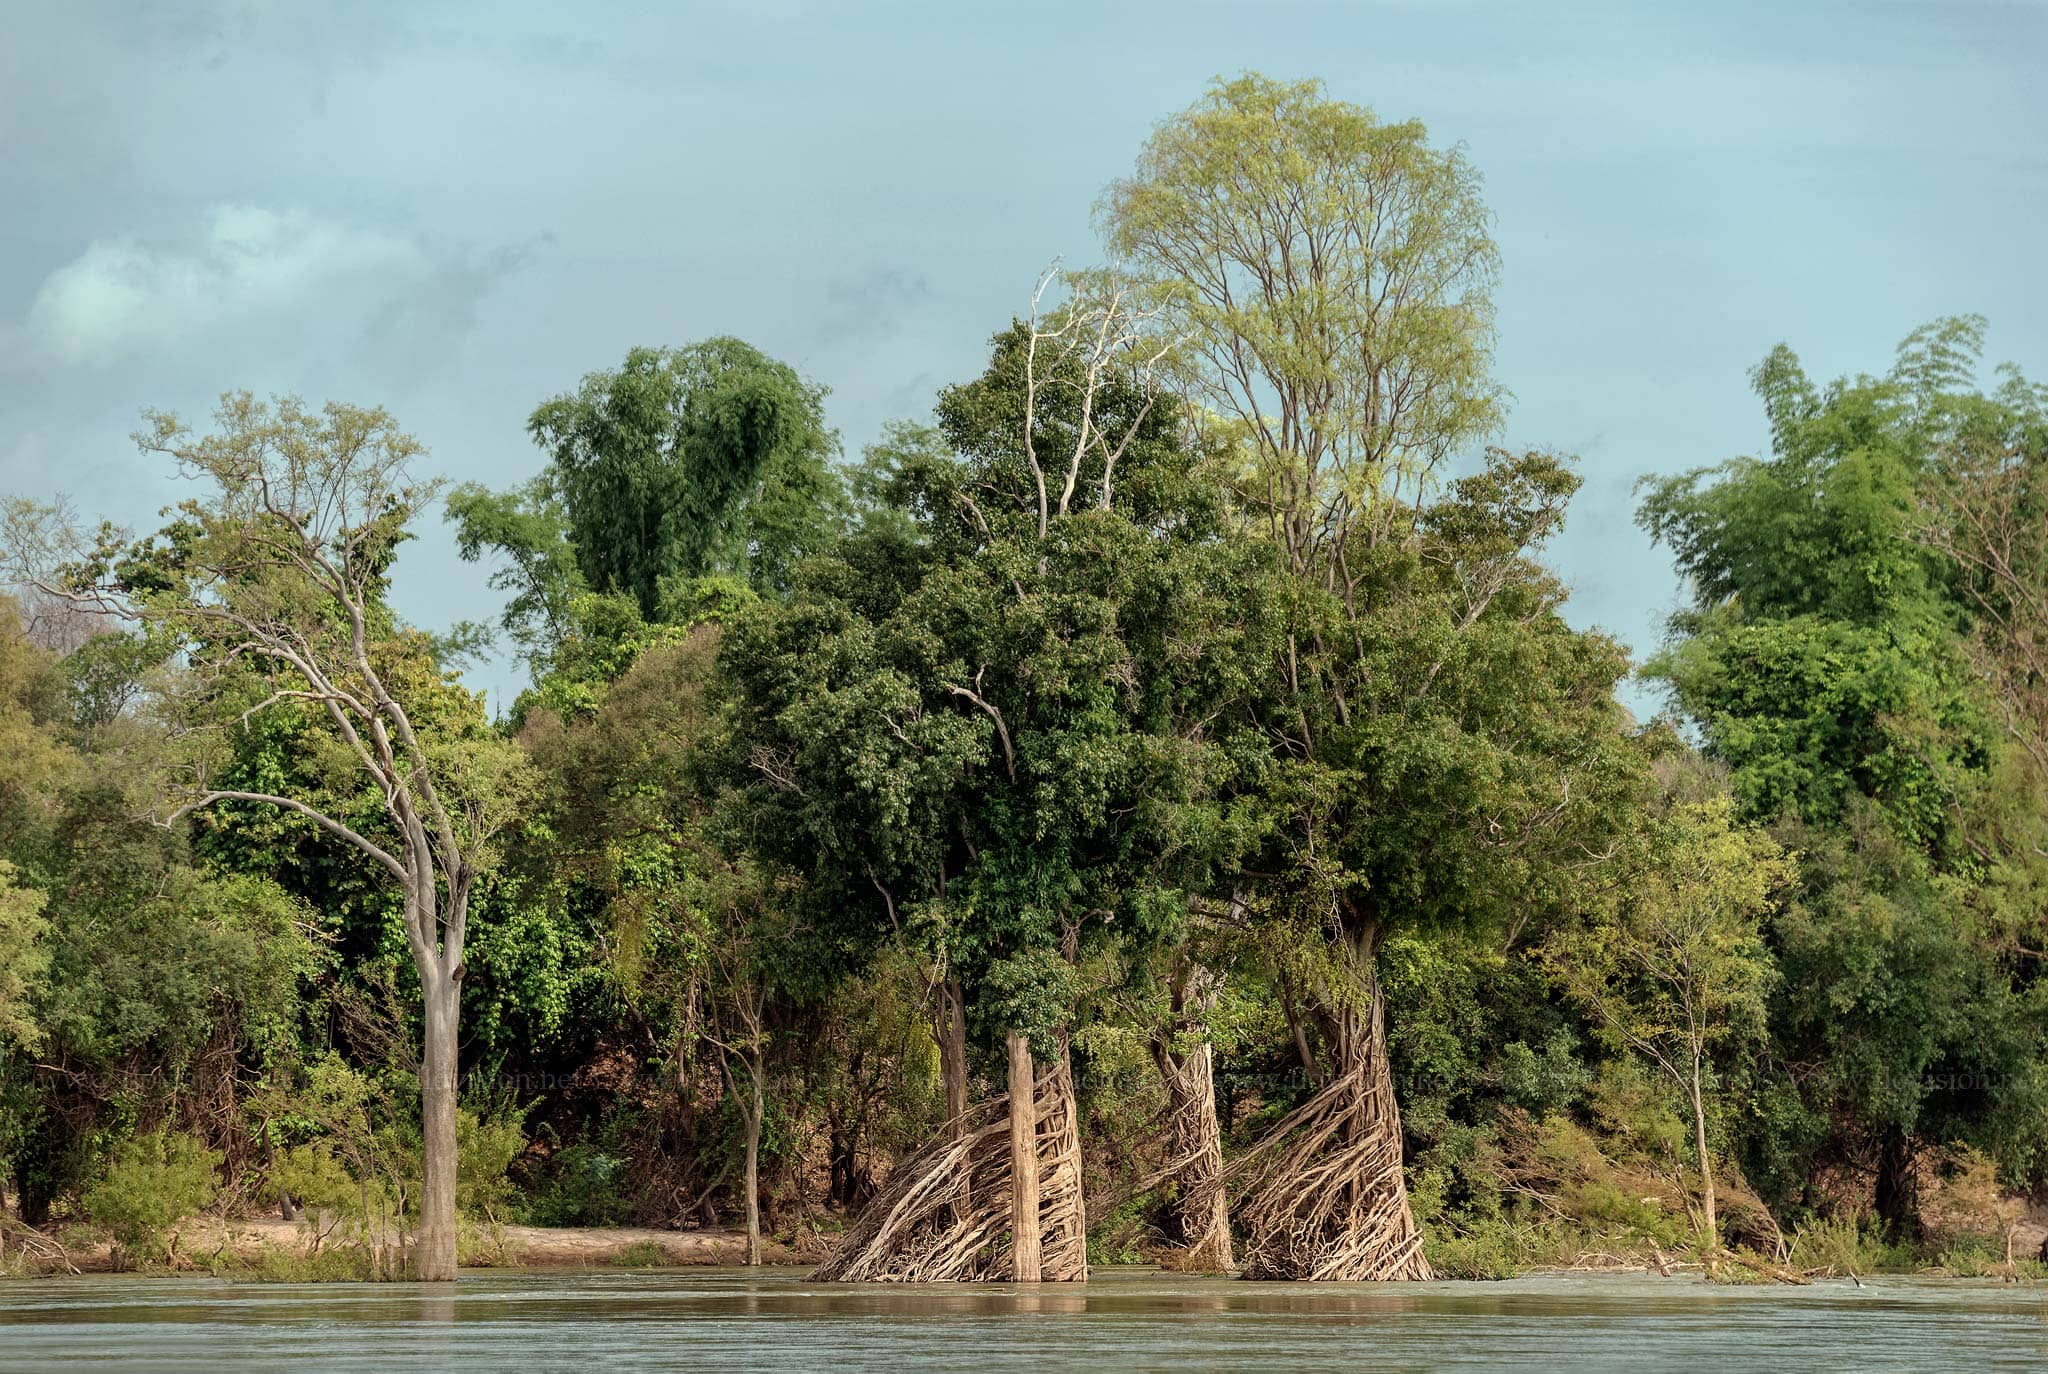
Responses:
[641,1254]
[277,1264]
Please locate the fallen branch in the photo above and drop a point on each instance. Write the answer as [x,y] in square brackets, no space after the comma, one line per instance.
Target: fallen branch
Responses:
[34,1243]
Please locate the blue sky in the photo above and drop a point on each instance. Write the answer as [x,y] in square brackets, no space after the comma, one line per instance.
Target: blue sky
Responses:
[456,210]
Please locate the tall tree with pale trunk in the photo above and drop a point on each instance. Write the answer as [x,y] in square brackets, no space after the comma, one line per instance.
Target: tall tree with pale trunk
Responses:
[273,582]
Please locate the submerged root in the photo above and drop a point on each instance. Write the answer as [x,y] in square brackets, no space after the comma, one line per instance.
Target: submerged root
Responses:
[943,1215]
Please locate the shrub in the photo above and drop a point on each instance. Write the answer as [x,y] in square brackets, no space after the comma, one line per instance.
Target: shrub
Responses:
[486,1143]
[1843,1244]
[153,1182]
[582,1189]
[641,1254]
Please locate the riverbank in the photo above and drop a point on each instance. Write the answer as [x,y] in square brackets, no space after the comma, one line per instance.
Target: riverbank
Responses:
[211,1244]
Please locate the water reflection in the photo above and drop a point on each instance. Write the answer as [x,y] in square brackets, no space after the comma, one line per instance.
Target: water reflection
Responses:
[1125,1320]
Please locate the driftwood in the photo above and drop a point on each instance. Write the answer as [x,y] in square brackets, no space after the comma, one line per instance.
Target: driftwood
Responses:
[943,1215]
[29,1241]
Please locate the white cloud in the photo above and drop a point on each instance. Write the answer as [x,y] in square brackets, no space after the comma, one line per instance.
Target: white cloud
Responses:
[244,275]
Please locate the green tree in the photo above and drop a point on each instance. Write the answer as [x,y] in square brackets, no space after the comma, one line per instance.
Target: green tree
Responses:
[683,463]
[959,731]
[1332,275]
[276,578]
[1821,657]
[527,528]
[23,959]
[1825,659]
[1330,278]
[1675,966]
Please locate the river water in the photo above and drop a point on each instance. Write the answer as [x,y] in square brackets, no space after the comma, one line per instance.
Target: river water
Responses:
[1123,1320]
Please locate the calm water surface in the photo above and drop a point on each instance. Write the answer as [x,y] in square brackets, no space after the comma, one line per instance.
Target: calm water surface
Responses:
[1123,1320]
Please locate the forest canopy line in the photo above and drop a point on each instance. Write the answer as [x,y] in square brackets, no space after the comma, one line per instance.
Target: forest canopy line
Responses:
[1155,806]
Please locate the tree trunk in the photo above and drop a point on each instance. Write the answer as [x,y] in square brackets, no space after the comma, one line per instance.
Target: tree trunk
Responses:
[1896,1197]
[1194,1136]
[754,1115]
[946,1214]
[1024,1222]
[953,1053]
[435,1254]
[1699,1138]
[1195,1139]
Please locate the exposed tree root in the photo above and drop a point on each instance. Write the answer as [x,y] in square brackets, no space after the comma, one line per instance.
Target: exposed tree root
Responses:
[1322,1197]
[943,1216]
[1194,1141]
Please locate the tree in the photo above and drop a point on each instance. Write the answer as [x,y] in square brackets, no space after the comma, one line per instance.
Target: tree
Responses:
[1675,966]
[1331,278]
[683,463]
[276,577]
[1826,660]
[956,730]
[528,529]
[745,917]
[1821,654]
[23,959]
[1987,510]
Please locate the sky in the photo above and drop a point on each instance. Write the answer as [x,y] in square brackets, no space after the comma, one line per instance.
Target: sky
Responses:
[457,210]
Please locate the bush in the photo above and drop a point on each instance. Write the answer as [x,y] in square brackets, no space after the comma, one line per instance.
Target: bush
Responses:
[311,1177]
[1843,1244]
[153,1182]
[486,1143]
[582,1189]
[1490,1250]
[641,1254]
[279,1264]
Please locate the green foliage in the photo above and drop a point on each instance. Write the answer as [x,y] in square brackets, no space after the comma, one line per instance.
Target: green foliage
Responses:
[1848,1246]
[487,1139]
[281,1264]
[1825,660]
[583,1186]
[967,737]
[311,1177]
[23,960]
[1332,275]
[687,462]
[1677,965]
[162,970]
[641,1254]
[1822,657]
[152,1183]
[527,529]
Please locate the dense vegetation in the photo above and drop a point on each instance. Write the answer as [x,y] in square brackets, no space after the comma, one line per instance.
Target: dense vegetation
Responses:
[1181,727]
